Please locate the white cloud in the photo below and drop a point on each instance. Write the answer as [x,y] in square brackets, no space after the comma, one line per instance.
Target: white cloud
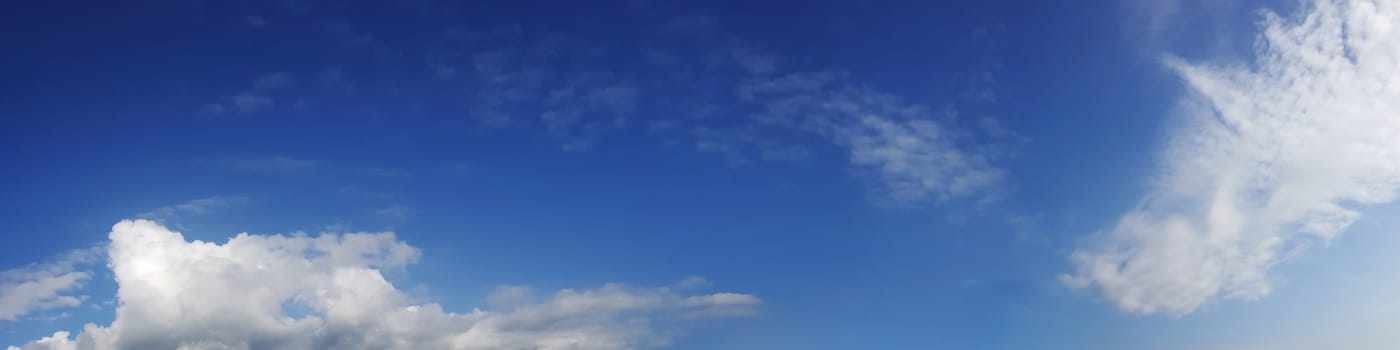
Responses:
[1269,158]
[914,155]
[46,286]
[329,292]
[918,160]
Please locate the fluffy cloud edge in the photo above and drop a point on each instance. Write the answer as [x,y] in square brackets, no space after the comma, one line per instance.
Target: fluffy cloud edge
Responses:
[323,292]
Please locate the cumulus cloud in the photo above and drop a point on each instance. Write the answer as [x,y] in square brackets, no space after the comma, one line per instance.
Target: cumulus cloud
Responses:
[330,292]
[1268,159]
[46,286]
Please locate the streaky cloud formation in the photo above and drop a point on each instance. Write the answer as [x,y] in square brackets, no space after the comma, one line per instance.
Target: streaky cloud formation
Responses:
[198,206]
[914,154]
[329,292]
[1269,158]
[39,287]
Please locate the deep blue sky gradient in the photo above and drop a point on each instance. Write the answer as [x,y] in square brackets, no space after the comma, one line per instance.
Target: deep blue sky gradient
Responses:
[104,117]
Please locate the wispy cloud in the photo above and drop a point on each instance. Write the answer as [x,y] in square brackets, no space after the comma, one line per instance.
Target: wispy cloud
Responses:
[256,98]
[393,212]
[199,206]
[913,154]
[49,285]
[1268,159]
[586,106]
[918,160]
[717,91]
[179,294]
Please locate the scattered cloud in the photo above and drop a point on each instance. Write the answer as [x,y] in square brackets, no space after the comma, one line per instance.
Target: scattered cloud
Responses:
[914,154]
[709,88]
[1269,159]
[199,206]
[393,212]
[587,105]
[917,160]
[504,80]
[39,287]
[330,292]
[257,98]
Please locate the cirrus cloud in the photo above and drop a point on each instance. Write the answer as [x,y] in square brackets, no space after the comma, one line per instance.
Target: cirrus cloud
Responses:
[1270,158]
[38,287]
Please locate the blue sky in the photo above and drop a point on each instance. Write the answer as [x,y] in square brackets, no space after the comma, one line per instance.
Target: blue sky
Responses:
[1178,174]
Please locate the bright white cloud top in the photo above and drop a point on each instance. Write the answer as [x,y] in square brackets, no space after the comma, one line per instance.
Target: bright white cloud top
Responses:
[328,292]
[1270,157]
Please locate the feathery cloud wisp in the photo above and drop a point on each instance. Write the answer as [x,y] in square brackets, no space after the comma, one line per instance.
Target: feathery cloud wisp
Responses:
[39,287]
[1269,158]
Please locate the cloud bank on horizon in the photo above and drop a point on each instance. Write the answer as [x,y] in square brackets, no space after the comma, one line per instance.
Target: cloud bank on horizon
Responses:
[330,292]
[1267,159]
